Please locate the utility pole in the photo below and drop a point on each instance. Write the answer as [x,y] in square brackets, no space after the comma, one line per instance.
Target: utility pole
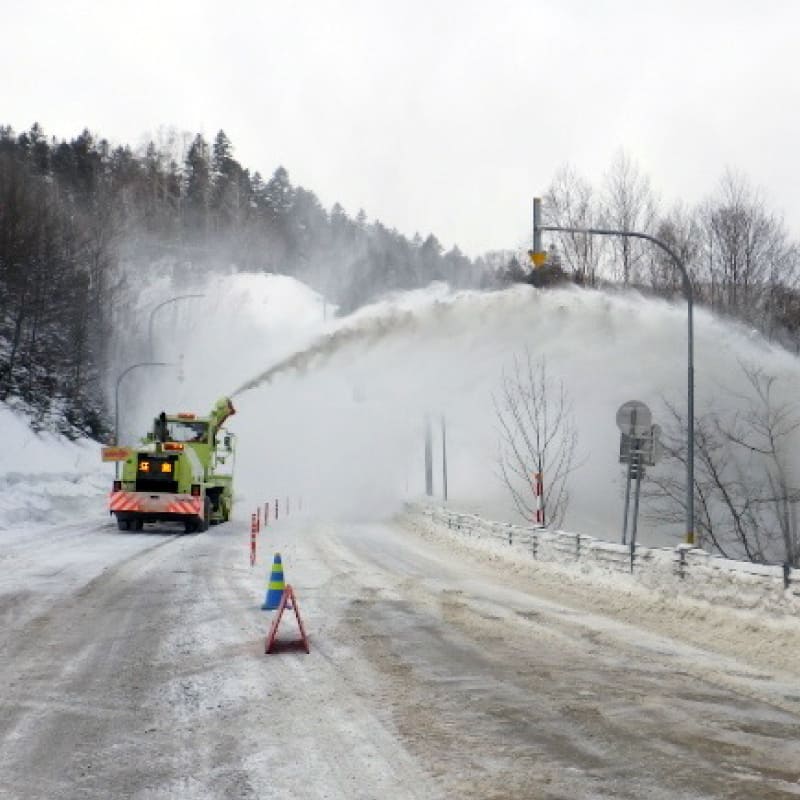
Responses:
[428,457]
[444,459]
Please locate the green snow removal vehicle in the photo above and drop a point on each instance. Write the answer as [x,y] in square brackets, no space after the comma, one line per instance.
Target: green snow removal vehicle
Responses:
[181,472]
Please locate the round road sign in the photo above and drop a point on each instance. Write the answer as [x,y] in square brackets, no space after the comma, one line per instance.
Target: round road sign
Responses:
[634,418]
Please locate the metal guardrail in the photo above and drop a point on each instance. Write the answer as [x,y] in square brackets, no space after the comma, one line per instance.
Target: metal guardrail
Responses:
[684,563]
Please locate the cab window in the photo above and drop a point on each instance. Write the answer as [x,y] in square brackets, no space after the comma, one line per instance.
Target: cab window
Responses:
[183,431]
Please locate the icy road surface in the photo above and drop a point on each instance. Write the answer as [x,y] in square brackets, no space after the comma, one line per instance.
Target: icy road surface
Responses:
[133,667]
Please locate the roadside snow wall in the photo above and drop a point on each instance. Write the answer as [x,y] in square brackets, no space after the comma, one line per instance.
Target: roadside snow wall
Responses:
[46,478]
[683,569]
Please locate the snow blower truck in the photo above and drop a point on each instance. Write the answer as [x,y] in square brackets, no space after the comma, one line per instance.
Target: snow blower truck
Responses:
[181,472]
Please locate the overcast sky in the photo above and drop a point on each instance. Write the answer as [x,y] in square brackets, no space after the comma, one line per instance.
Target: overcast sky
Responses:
[442,117]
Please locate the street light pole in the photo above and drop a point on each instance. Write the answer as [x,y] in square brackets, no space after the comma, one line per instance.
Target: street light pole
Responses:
[538,257]
[116,397]
[428,457]
[161,305]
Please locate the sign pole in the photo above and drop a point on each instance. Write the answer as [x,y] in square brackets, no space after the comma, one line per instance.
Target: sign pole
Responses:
[627,503]
[639,471]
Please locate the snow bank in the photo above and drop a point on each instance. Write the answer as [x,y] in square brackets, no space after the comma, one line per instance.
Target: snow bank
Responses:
[682,570]
[45,477]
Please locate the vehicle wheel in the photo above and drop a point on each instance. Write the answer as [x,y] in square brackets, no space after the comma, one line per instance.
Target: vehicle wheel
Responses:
[190,526]
[123,524]
[137,524]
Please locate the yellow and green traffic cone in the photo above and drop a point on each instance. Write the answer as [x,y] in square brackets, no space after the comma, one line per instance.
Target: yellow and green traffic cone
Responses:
[275,587]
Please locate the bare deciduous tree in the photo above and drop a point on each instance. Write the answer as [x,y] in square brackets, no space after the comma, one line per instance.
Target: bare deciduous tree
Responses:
[629,205]
[723,505]
[766,430]
[570,202]
[536,434]
[746,252]
[679,229]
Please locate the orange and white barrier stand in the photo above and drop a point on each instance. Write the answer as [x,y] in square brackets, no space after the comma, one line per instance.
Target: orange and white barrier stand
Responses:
[253,535]
[538,491]
[271,645]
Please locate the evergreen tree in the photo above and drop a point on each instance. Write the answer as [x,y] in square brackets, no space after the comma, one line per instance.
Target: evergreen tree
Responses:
[279,196]
[198,187]
[229,186]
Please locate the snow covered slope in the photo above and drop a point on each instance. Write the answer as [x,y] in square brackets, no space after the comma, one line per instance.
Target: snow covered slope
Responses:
[44,477]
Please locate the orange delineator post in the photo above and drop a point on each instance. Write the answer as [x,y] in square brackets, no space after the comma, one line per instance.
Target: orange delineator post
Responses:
[253,534]
[271,645]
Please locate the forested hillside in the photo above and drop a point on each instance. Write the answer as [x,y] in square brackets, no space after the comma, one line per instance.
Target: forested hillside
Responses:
[82,223]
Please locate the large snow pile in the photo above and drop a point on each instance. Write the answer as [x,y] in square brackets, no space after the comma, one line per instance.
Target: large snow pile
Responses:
[45,477]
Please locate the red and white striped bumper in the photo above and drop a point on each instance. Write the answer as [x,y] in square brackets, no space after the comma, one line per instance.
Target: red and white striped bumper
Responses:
[148,503]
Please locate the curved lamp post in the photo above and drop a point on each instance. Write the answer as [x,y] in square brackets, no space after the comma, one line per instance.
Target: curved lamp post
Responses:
[538,256]
[161,305]
[116,398]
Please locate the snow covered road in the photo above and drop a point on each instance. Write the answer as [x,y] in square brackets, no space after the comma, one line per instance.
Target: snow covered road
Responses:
[133,667]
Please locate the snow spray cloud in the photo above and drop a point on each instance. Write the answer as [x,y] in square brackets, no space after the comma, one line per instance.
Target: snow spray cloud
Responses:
[339,416]
[221,336]
[369,332]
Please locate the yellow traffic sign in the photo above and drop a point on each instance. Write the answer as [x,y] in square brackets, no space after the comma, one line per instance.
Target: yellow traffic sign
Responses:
[538,259]
[113,453]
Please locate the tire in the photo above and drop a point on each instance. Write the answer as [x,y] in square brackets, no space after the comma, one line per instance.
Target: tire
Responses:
[206,515]
[137,524]
[123,524]
[190,526]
